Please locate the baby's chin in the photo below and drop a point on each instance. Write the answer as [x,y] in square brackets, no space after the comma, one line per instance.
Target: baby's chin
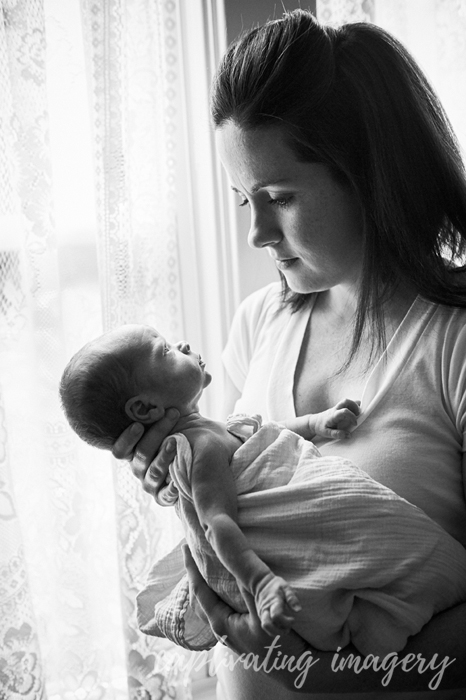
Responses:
[207,378]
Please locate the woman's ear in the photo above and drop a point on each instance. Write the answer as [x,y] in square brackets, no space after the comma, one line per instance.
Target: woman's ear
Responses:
[141,410]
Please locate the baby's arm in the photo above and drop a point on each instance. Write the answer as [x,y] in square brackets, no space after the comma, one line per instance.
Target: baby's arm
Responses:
[334,423]
[214,496]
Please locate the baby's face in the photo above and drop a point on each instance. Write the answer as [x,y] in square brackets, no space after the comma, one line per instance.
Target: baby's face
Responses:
[172,372]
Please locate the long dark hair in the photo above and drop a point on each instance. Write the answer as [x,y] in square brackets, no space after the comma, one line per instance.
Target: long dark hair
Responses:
[354,99]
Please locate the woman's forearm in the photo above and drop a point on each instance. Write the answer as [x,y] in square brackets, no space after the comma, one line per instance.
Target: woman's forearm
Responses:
[435,659]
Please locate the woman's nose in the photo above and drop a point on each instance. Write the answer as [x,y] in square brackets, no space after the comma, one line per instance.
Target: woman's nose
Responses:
[263,231]
[184,347]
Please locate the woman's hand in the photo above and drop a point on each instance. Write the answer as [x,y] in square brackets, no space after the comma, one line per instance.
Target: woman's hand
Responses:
[147,463]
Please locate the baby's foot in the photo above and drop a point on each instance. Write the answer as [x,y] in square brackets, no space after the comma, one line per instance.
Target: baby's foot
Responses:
[276,602]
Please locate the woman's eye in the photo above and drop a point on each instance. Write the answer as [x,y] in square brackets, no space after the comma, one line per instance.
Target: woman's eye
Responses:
[244,203]
[280,202]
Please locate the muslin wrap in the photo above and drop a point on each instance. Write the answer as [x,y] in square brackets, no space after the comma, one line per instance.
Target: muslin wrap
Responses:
[368,567]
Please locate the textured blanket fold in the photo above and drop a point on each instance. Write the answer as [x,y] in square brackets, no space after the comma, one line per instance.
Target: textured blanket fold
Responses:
[368,567]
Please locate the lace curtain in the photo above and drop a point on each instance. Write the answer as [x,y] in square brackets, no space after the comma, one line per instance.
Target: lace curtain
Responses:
[99,225]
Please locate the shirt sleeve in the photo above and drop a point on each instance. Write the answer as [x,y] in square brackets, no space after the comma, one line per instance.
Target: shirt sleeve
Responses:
[454,368]
[455,359]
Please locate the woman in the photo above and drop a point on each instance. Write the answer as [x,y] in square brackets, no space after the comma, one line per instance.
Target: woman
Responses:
[356,188]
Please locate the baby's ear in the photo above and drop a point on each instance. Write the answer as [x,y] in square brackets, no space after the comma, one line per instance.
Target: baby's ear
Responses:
[141,410]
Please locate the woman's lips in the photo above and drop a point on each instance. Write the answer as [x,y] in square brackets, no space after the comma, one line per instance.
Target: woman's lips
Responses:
[286,263]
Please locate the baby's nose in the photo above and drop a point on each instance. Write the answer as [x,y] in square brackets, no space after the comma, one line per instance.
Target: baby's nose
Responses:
[183,346]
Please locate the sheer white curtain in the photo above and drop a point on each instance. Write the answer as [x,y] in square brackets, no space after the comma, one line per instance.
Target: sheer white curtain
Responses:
[434,31]
[112,209]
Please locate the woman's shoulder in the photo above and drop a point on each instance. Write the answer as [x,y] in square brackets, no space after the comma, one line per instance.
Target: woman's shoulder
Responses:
[445,331]
[449,319]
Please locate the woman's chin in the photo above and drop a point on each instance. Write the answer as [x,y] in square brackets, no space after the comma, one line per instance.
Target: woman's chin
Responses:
[299,286]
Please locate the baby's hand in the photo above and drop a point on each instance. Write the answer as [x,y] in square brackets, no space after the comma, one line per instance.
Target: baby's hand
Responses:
[335,423]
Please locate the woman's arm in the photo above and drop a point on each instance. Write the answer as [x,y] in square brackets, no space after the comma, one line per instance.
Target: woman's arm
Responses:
[435,656]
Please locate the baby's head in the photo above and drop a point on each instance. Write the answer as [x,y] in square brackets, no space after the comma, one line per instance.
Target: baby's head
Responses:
[129,374]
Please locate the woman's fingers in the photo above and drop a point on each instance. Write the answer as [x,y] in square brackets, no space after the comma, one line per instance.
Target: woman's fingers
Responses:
[157,481]
[250,602]
[150,443]
[127,441]
[149,465]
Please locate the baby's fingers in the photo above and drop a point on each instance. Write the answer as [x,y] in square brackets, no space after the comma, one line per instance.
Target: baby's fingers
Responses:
[336,433]
[353,406]
[342,419]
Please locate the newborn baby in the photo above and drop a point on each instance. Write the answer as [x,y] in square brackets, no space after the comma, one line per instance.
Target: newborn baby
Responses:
[133,374]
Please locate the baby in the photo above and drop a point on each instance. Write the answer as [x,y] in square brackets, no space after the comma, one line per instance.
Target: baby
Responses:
[133,374]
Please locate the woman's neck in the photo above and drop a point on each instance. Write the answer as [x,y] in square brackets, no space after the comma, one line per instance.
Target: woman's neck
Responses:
[340,304]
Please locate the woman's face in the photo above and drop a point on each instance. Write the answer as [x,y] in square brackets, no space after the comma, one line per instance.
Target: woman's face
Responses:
[309,222]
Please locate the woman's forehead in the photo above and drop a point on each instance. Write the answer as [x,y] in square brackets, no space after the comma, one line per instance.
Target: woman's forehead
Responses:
[263,159]
[261,155]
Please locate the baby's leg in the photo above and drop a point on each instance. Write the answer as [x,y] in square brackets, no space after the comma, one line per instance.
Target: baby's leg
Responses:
[215,502]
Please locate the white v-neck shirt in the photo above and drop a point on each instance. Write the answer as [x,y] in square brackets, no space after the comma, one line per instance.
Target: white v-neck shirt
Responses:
[410,434]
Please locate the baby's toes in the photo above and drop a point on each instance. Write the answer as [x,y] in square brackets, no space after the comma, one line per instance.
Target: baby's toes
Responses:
[281,621]
[268,625]
[292,599]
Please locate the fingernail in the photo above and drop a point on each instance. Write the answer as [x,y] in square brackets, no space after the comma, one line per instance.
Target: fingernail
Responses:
[136,429]
[172,413]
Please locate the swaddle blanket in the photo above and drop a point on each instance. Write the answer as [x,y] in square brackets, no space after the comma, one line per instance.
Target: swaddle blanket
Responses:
[368,567]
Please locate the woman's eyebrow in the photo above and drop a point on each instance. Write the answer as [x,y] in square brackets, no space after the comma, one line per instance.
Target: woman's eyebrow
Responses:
[262,185]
